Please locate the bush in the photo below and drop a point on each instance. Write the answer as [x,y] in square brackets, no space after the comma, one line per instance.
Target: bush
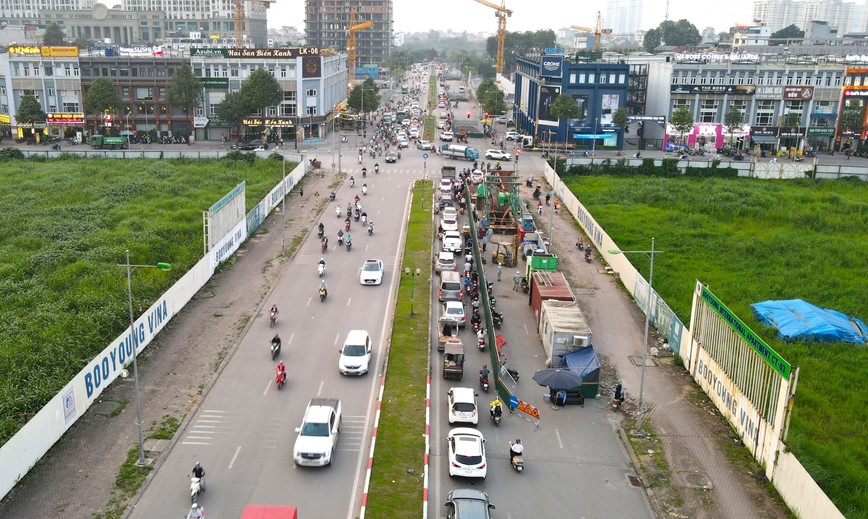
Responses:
[7,154]
[239,156]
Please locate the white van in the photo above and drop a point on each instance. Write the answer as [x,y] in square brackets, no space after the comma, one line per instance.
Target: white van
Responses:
[356,353]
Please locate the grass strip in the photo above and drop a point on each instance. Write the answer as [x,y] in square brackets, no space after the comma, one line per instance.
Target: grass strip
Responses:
[396,480]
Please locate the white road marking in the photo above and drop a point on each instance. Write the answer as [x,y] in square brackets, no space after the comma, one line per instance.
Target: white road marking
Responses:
[319,391]
[231,463]
[338,336]
[309,300]
[560,443]
[266,388]
[349,300]
[525,329]
[291,337]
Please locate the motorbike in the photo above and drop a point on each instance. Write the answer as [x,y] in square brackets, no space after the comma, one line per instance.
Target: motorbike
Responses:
[195,489]
[495,416]
[618,399]
[345,139]
[364,219]
[275,348]
[483,383]
[320,233]
[497,319]
[364,190]
[370,229]
[280,379]
[272,319]
[352,182]
[356,216]
[516,460]
[338,211]
[376,170]
[322,294]
[332,196]
[347,226]
[340,240]
[360,159]
[349,245]
[588,255]
[321,269]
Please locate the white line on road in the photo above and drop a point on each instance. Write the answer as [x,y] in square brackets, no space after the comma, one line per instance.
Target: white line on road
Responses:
[338,336]
[309,300]
[319,391]
[231,463]
[291,337]
[525,329]
[349,300]
[213,411]
[268,385]
[560,443]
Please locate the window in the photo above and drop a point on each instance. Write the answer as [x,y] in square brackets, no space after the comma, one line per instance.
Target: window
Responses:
[50,92]
[602,78]
[765,112]
[678,103]
[622,79]
[125,92]
[572,77]
[288,110]
[144,93]
[271,111]
[311,92]
[234,72]
[708,110]
[49,70]
[311,110]
[581,77]
[611,78]
[289,95]
[592,78]
[71,107]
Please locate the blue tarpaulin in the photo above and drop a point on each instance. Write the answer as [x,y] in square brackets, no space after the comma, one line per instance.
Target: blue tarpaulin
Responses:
[798,320]
[585,363]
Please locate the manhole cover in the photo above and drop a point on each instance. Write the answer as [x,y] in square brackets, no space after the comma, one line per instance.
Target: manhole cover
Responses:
[696,480]
[635,481]
[637,361]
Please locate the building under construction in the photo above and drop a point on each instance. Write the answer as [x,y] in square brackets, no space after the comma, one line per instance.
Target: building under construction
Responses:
[326,23]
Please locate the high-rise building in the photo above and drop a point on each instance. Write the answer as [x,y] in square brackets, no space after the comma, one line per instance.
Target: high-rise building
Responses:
[214,18]
[622,16]
[777,14]
[326,23]
[17,10]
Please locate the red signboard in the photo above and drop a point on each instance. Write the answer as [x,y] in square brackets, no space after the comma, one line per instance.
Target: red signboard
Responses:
[798,93]
[67,118]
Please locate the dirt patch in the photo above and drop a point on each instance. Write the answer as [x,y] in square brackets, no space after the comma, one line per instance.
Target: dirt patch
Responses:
[77,477]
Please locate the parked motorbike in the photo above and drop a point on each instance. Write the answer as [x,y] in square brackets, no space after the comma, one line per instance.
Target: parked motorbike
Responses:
[497,319]
[195,489]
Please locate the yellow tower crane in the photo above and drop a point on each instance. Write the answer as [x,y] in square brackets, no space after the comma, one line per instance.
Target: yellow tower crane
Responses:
[501,13]
[239,18]
[597,31]
[351,42]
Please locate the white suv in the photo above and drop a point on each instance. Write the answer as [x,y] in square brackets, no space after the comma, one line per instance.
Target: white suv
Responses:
[356,353]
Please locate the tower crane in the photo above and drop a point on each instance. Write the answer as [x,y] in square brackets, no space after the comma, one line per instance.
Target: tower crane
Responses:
[239,17]
[597,31]
[351,42]
[501,13]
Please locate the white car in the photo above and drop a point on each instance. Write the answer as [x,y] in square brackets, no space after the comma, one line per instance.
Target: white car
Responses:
[450,212]
[462,405]
[512,136]
[449,223]
[401,135]
[441,124]
[356,353]
[453,311]
[452,242]
[425,145]
[445,262]
[466,453]
[501,119]
[476,177]
[446,135]
[497,155]
[371,272]
[414,133]
[403,143]
[446,185]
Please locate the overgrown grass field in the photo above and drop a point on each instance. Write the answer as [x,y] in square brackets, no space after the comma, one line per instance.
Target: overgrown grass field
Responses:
[66,225]
[750,241]
[394,491]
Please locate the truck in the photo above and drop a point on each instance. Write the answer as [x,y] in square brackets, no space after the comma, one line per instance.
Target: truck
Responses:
[103,141]
[318,435]
[459,151]
[448,172]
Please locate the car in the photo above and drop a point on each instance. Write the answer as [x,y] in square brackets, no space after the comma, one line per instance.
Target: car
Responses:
[401,135]
[450,212]
[441,104]
[446,185]
[403,143]
[253,145]
[391,157]
[371,272]
[414,133]
[501,119]
[466,453]
[425,145]
[468,503]
[356,353]
[445,262]
[449,223]
[497,155]
[453,311]
[452,241]
[476,177]
[513,136]
[446,135]
[462,405]
[441,124]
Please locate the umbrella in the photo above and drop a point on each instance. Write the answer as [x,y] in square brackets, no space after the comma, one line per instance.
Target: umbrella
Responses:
[558,378]
[126,133]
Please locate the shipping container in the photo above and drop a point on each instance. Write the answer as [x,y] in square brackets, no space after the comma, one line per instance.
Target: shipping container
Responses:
[547,285]
[563,329]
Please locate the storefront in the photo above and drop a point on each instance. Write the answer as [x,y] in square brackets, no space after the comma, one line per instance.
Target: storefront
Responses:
[764,139]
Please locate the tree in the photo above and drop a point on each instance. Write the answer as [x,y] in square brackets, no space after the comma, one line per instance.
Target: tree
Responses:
[520,43]
[232,109]
[787,35]
[672,34]
[490,97]
[621,117]
[102,97]
[564,107]
[185,91]
[260,90]
[53,35]
[851,120]
[83,43]
[651,40]
[364,98]
[732,121]
[682,120]
[29,111]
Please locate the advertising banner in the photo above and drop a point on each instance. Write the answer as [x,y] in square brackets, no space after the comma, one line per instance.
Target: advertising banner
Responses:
[65,118]
[738,90]
[547,95]
[798,93]
[311,67]
[552,66]
[214,82]
[267,121]
[60,52]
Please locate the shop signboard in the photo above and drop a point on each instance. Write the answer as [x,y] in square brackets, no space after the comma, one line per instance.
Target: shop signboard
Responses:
[798,93]
[65,118]
[743,90]
[214,82]
[821,132]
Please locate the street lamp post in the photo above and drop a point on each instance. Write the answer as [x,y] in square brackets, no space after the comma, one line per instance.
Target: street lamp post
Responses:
[129,267]
[412,275]
[283,202]
[129,141]
[649,253]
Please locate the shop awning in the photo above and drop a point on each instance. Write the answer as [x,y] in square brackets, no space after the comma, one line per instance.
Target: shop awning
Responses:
[763,138]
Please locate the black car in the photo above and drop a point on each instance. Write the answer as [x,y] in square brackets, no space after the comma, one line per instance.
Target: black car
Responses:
[253,145]
[468,504]
[391,156]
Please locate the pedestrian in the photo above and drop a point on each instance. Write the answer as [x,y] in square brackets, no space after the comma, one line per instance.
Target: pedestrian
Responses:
[484,242]
[539,207]
[499,271]
[301,191]
[516,279]
[557,204]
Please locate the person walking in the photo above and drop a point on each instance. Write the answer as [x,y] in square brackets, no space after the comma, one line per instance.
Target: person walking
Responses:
[499,271]
[516,279]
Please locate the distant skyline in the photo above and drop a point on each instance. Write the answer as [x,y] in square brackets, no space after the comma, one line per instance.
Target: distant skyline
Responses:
[470,16]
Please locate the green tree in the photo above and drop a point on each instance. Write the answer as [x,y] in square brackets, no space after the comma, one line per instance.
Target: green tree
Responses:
[83,43]
[520,43]
[364,97]
[185,92]
[490,97]
[621,117]
[682,120]
[851,120]
[787,35]
[732,121]
[102,97]
[232,109]
[652,40]
[53,35]
[260,90]
[29,111]
[672,34]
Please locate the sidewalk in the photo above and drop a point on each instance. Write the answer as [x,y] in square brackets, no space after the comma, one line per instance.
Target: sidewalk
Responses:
[676,410]
[76,478]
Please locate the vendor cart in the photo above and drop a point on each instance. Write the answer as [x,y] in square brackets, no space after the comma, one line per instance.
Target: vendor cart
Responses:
[453,359]
[448,332]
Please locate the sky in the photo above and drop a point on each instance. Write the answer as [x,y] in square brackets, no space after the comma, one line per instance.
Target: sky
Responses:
[531,15]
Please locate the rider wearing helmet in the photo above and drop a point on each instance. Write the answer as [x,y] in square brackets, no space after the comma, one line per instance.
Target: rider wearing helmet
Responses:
[196,512]
[496,408]
[199,472]
[515,449]
[281,370]
[322,262]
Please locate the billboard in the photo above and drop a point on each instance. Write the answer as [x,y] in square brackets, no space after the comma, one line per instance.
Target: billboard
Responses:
[744,90]
[547,95]
[608,107]
[552,67]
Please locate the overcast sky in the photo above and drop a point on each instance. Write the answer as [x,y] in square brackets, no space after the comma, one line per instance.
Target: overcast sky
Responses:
[531,15]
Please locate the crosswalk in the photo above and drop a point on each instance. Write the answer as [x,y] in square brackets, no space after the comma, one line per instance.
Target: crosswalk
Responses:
[211,427]
[352,433]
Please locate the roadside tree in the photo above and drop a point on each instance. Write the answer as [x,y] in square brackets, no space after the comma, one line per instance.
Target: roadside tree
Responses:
[53,35]
[682,121]
[29,111]
[732,121]
[101,98]
[185,92]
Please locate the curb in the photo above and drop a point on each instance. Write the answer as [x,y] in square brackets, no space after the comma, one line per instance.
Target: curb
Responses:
[649,492]
[370,466]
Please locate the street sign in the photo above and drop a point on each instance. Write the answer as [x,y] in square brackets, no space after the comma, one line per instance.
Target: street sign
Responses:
[424,155]
[513,401]
[528,409]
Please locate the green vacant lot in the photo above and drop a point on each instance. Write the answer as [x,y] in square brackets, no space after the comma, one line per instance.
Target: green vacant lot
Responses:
[754,240]
[66,225]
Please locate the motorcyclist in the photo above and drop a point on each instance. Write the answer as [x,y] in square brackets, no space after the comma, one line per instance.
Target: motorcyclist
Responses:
[376,167]
[323,287]
[475,321]
[196,512]
[364,172]
[365,188]
[347,224]
[496,408]
[340,236]
[273,313]
[322,262]
[371,227]
[276,340]
[352,181]
[325,242]
[349,240]
[199,472]
[515,449]
[338,210]
[483,373]
[321,229]
[281,371]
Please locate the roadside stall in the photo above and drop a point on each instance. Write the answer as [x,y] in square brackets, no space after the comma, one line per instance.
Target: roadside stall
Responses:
[453,359]
[584,362]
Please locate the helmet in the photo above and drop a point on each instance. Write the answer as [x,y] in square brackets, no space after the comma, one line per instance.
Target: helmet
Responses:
[485,366]
[197,464]
[518,440]
[279,364]
[195,506]
[322,259]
